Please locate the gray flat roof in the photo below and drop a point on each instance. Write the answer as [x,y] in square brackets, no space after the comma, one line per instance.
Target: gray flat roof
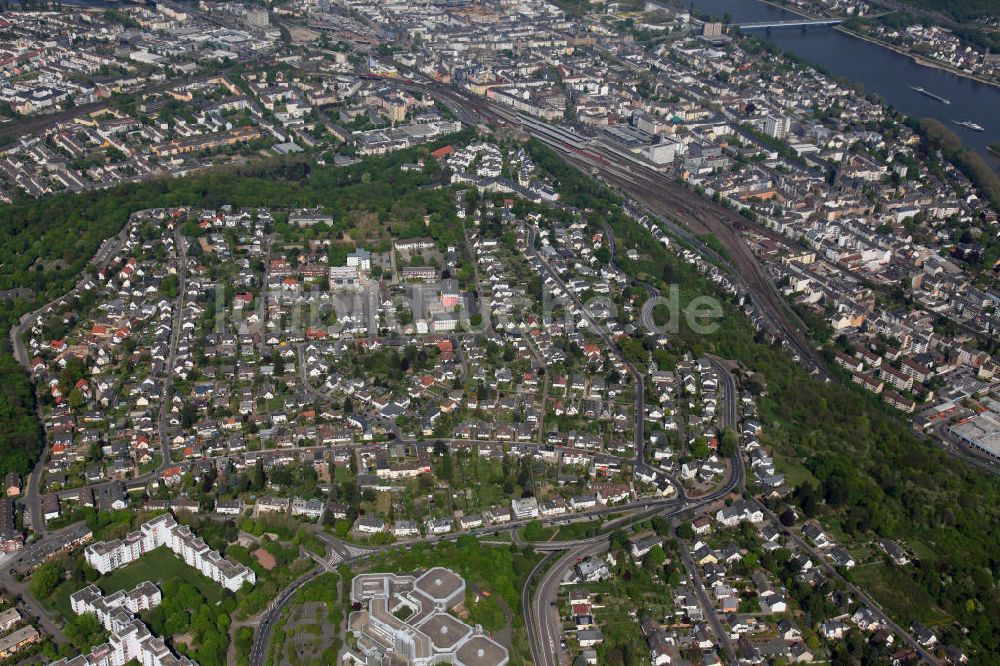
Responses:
[444,631]
[981,431]
[481,651]
[440,584]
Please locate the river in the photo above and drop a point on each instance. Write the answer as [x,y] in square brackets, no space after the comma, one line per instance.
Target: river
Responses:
[882,71]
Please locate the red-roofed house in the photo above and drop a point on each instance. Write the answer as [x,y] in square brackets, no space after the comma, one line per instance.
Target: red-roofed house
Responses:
[443,151]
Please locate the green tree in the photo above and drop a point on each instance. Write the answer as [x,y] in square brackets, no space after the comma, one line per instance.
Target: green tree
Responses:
[655,557]
[84,632]
[45,579]
[446,469]
[170,286]
[729,443]
[257,484]
[699,448]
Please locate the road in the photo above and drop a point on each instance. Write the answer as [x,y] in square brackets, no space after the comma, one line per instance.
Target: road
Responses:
[961,450]
[601,332]
[547,622]
[544,627]
[176,320]
[545,631]
[666,199]
[33,491]
[662,197]
[31,124]
[21,589]
[652,293]
[729,414]
[303,378]
[544,622]
[262,636]
[371,307]
[536,639]
[858,593]
[541,616]
[707,608]
[728,418]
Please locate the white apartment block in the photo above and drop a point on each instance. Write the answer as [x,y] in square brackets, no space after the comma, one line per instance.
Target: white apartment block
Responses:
[524,508]
[163,530]
[129,638]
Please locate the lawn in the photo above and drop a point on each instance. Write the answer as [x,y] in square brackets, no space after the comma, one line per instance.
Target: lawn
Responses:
[484,477]
[899,595]
[534,531]
[383,503]
[795,473]
[921,550]
[158,565]
[579,530]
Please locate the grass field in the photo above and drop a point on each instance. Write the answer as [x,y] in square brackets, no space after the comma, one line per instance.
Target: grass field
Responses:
[795,473]
[538,534]
[921,550]
[383,503]
[579,530]
[158,565]
[902,598]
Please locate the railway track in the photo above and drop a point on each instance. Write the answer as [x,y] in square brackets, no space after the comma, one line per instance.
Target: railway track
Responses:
[667,199]
[661,196]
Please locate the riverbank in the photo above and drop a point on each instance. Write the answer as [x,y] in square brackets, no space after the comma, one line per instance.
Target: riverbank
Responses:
[916,57]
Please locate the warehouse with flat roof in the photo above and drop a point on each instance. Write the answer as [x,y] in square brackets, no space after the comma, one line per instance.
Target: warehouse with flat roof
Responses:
[981,431]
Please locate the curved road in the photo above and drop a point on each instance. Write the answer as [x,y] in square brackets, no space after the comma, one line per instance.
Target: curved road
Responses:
[536,640]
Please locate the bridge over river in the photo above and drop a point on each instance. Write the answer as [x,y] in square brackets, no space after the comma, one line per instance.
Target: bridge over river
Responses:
[794,23]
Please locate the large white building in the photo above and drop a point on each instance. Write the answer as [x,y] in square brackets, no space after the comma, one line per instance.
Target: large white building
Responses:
[163,530]
[129,639]
[428,635]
